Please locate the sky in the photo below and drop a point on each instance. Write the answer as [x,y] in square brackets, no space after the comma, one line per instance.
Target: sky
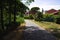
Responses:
[46,4]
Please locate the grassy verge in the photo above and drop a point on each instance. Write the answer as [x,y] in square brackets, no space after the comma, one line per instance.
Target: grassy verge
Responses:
[50,27]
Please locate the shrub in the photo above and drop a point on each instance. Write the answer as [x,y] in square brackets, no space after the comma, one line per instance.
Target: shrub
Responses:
[38,16]
[26,17]
[49,18]
[20,19]
[58,20]
[30,16]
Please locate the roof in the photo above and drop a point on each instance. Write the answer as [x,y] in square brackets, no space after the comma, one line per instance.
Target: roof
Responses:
[52,11]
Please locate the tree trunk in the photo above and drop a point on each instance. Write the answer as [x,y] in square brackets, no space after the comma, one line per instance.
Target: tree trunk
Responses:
[9,12]
[15,11]
[2,23]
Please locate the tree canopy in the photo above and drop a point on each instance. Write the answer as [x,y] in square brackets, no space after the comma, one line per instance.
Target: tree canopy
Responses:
[35,8]
[9,8]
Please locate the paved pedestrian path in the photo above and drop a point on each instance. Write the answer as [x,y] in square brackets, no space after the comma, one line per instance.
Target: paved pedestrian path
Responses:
[33,32]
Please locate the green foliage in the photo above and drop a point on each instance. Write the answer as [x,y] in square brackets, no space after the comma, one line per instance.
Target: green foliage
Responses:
[49,18]
[20,14]
[8,13]
[35,8]
[29,17]
[26,17]
[38,16]
[29,1]
[20,19]
[58,18]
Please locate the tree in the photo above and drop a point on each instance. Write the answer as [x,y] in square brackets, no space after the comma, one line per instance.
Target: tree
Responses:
[11,7]
[35,8]
[38,16]
[1,12]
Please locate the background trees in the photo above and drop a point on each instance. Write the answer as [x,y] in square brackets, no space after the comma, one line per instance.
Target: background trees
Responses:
[38,15]
[35,13]
[58,18]
[35,8]
[48,17]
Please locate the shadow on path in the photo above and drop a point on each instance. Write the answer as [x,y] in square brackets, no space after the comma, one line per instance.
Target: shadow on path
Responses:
[29,33]
[15,34]
[34,33]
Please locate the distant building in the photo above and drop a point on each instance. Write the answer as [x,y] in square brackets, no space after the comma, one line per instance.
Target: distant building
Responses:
[52,11]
